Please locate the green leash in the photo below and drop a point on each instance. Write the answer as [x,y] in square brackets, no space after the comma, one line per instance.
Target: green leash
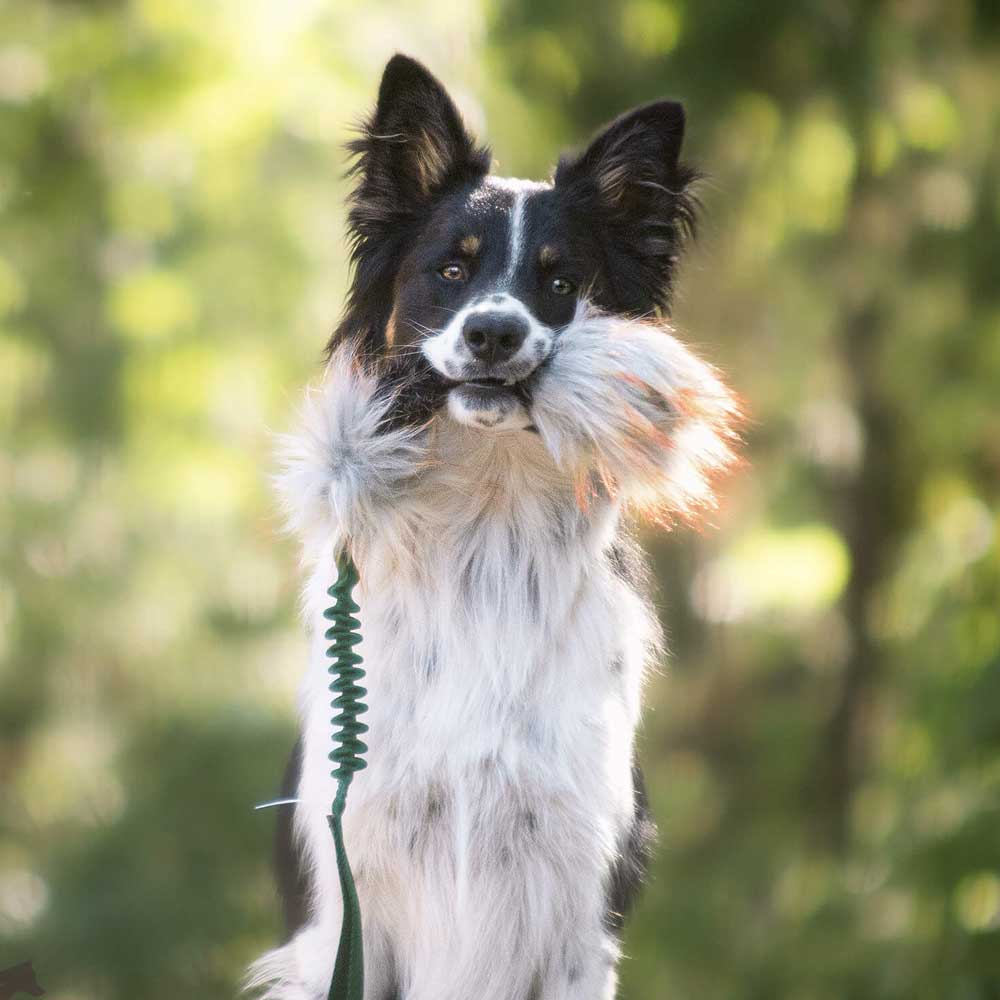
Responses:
[348,981]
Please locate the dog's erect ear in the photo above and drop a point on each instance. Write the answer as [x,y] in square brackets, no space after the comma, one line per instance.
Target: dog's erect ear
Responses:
[412,149]
[632,175]
[414,144]
[631,160]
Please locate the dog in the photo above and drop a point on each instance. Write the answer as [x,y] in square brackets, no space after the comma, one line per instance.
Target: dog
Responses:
[502,401]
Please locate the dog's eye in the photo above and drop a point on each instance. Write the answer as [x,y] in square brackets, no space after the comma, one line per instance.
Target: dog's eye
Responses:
[563,286]
[452,272]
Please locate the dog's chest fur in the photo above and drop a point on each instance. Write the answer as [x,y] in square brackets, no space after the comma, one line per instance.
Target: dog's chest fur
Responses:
[504,653]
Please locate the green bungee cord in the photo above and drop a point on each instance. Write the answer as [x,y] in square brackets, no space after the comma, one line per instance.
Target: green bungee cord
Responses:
[348,982]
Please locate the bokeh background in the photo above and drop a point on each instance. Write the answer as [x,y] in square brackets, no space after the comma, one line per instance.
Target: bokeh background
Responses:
[823,745]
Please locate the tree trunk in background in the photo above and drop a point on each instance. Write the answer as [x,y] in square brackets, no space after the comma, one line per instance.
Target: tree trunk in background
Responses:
[872,517]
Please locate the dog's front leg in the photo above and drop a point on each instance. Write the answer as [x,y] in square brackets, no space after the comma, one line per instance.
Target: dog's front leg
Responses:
[531,928]
[579,964]
[583,968]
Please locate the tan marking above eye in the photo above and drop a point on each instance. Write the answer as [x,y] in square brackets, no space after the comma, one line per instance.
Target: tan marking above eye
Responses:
[548,255]
[470,245]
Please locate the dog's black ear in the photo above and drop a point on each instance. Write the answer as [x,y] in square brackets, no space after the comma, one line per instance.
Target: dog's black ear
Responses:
[631,161]
[632,177]
[414,144]
[411,149]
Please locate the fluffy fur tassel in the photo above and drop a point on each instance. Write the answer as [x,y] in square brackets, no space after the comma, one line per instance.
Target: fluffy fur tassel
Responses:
[622,403]
[341,466]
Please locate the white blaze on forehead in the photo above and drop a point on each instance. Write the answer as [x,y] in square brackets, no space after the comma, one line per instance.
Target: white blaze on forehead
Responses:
[516,238]
[522,190]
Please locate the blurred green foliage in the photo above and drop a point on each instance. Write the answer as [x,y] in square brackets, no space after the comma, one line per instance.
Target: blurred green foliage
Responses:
[823,748]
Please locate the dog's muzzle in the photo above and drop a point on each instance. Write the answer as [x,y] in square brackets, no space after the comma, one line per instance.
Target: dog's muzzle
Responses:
[488,350]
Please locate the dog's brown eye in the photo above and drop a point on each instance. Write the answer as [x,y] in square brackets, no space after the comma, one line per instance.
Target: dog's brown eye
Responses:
[563,286]
[452,272]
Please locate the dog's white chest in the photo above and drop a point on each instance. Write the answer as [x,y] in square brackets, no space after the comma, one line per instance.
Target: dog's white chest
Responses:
[503,660]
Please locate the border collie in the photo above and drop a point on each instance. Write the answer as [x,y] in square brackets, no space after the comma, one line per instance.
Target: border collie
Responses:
[502,399]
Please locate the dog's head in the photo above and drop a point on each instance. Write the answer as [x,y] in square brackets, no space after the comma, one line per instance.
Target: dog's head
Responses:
[477,274]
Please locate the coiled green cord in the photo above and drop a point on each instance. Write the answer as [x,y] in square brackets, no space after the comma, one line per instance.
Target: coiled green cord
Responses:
[348,982]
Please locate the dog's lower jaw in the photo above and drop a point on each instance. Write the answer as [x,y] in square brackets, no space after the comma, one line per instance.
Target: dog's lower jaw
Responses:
[496,409]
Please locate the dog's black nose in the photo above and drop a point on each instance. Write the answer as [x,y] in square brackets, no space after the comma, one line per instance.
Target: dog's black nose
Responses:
[494,337]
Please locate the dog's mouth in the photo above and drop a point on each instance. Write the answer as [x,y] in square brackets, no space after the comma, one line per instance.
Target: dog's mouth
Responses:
[489,383]
[489,392]
[514,378]
[490,402]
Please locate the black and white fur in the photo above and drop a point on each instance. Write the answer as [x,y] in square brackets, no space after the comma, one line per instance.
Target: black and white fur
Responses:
[500,397]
